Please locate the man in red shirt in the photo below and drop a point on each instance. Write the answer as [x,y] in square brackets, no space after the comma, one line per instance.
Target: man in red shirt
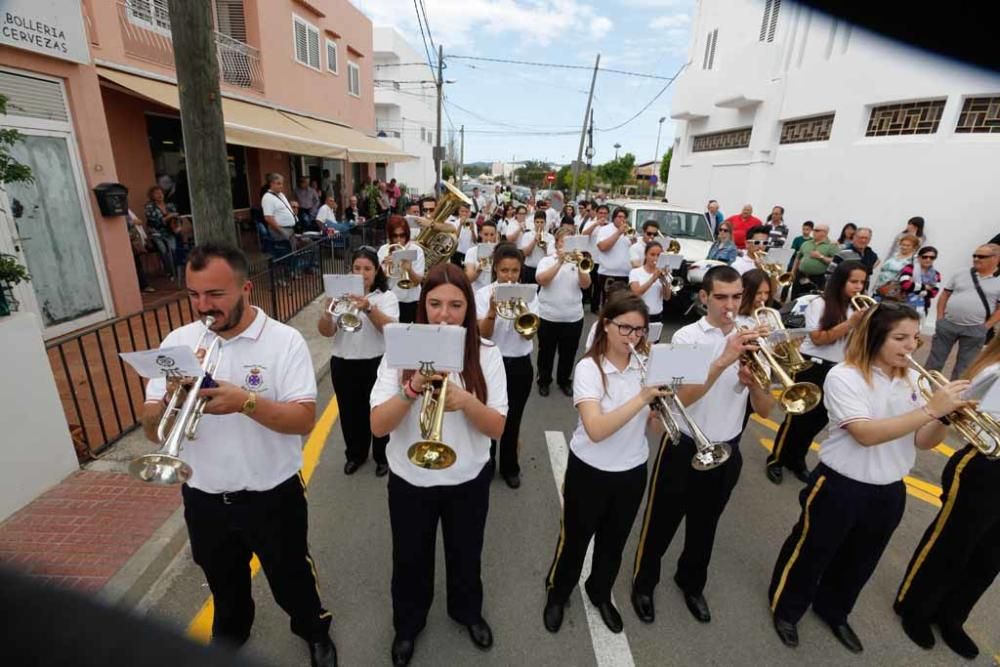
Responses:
[741,223]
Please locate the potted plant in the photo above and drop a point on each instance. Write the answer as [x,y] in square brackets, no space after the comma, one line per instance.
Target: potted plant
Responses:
[12,272]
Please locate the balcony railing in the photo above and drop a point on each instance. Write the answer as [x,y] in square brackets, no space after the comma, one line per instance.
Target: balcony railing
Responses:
[148,38]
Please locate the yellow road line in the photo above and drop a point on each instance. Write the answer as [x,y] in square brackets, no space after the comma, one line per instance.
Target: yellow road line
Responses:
[200,628]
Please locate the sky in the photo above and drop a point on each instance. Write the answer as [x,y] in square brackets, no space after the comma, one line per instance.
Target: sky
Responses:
[517,112]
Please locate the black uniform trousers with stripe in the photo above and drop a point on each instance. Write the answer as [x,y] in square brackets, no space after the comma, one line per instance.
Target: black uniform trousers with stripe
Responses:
[597,504]
[797,432]
[226,530]
[678,491]
[414,514]
[353,380]
[835,545]
[959,555]
[561,337]
[519,376]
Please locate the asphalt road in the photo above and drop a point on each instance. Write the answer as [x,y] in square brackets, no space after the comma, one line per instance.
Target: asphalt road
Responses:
[351,546]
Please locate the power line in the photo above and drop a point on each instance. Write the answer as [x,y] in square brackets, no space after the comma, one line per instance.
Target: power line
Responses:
[533,63]
[648,104]
[427,23]
[423,38]
[493,122]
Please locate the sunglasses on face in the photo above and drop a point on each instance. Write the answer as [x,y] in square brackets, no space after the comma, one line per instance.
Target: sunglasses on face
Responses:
[650,233]
[981,256]
[758,242]
[928,257]
[724,230]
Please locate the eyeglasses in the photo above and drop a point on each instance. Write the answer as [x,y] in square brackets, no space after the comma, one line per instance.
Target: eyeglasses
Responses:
[650,233]
[628,329]
[928,257]
[724,229]
[758,241]
[982,256]
[427,210]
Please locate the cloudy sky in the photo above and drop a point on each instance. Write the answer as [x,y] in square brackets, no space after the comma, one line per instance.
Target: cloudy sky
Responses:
[516,112]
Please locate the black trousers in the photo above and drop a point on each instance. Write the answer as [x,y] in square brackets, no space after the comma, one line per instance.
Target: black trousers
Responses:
[595,292]
[596,504]
[835,545]
[815,282]
[678,491]
[458,259]
[353,380]
[563,337]
[796,433]
[658,317]
[414,514]
[603,289]
[519,374]
[226,530]
[408,312]
[528,274]
[959,555]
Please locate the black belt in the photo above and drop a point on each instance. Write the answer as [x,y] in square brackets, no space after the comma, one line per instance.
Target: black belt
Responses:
[239,497]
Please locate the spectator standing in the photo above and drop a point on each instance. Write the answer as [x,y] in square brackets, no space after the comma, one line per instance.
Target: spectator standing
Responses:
[859,249]
[920,281]
[478,202]
[887,281]
[713,216]
[847,233]
[967,312]
[741,223]
[813,258]
[278,213]
[776,227]
[914,227]
[723,249]
[807,232]
[308,202]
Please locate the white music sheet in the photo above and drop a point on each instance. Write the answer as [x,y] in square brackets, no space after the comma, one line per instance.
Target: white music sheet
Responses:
[408,346]
[508,291]
[578,242]
[337,285]
[684,364]
[179,361]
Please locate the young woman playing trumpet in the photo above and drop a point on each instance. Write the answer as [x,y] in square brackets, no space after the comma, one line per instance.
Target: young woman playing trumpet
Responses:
[397,233]
[650,283]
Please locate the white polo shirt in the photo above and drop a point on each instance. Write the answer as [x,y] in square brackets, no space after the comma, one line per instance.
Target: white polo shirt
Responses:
[465,240]
[614,261]
[742,263]
[509,342]
[595,252]
[831,352]
[560,300]
[472,448]
[405,295]
[653,297]
[472,259]
[276,205]
[233,452]
[719,412]
[637,252]
[511,230]
[536,252]
[367,342]
[849,398]
[627,447]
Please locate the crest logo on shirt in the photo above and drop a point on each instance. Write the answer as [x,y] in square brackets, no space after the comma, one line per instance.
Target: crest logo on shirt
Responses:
[255,380]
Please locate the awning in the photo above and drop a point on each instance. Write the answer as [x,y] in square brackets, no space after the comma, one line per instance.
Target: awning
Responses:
[258,126]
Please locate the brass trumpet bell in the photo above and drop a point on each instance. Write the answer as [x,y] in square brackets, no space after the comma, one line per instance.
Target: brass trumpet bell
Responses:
[430,453]
[674,247]
[800,397]
[527,324]
[160,469]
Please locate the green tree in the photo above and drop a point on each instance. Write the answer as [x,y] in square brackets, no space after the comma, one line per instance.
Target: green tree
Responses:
[447,172]
[11,171]
[617,172]
[532,173]
[665,167]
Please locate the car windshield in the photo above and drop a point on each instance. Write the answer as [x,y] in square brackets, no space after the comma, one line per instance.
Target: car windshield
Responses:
[676,224]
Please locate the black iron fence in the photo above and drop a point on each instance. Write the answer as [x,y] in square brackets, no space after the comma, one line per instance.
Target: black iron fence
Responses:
[103,397]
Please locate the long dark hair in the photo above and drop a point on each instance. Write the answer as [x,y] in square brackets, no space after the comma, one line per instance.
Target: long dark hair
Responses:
[865,342]
[835,303]
[505,250]
[843,232]
[618,303]
[380,282]
[472,373]
[752,280]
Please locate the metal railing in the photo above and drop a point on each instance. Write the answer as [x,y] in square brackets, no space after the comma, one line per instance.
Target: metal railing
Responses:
[102,397]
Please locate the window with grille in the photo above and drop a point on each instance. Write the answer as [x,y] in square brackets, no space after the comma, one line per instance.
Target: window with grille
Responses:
[980,115]
[353,79]
[710,42]
[332,63]
[151,14]
[769,22]
[721,141]
[890,120]
[802,130]
[306,43]
[230,20]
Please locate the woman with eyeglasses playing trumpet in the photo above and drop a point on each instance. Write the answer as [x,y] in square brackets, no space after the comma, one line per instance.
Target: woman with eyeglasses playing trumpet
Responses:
[515,348]
[561,283]
[831,318]
[397,233]
[651,283]
[606,471]
[856,495]
[458,496]
[535,243]
[958,557]
[355,358]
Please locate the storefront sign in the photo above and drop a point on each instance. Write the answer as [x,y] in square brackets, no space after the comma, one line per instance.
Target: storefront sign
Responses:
[49,27]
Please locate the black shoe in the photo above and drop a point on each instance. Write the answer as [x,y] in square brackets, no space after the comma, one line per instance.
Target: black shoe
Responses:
[552,617]
[481,635]
[774,473]
[802,474]
[610,616]
[698,607]
[323,653]
[919,632]
[543,390]
[642,603]
[402,651]
[513,481]
[787,632]
[381,469]
[845,634]
[959,642]
[351,467]
[567,389]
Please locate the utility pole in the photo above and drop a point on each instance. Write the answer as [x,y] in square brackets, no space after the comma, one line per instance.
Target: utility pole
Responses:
[197,66]
[656,158]
[461,153]
[583,131]
[590,152]
[438,148]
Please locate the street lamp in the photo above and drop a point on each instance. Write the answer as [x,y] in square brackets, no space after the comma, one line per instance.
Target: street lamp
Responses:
[656,155]
[617,146]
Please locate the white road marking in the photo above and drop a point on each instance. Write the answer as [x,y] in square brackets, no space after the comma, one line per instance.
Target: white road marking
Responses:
[610,649]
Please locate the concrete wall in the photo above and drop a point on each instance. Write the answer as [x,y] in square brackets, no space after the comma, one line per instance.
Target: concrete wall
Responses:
[37,451]
[126,114]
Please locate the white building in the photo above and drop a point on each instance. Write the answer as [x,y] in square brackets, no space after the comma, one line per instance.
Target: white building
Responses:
[405,108]
[781,104]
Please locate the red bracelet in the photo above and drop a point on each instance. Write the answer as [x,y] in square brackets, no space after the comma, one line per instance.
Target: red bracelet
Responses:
[410,391]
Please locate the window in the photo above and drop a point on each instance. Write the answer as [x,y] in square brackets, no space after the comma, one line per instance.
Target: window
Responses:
[904,119]
[151,14]
[803,130]
[720,141]
[769,22]
[229,19]
[332,64]
[980,115]
[306,43]
[423,134]
[353,79]
[713,38]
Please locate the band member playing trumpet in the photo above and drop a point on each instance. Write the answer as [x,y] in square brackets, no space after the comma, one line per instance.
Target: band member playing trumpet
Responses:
[246,495]
[511,228]
[612,245]
[397,233]
[758,239]
[606,471]
[355,358]
[637,251]
[651,283]
[592,228]
[756,294]
[536,243]
[457,497]
[479,270]
[468,236]
[516,351]
[678,491]
[831,319]
[856,495]
[561,311]
[958,556]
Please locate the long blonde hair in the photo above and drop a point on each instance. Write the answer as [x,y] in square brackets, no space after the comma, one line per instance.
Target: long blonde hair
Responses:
[864,343]
[989,356]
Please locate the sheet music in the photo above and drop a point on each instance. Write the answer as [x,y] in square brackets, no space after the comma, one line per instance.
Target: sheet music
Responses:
[407,255]
[508,291]
[669,261]
[578,242]
[670,364]
[408,346]
[484,250]
[179,361]
[337,285]
[655,331]
[780,256]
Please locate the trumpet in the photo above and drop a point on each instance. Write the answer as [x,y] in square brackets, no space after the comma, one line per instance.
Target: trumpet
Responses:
[401,273]
[774,271]
[431,453]
[709,454]
[486,263]
[796,397]
[525,322]
[786,351]
[582,260]
[862,302]
[540,238]
[671,247]
[346,312]
[978,428]
[164,467]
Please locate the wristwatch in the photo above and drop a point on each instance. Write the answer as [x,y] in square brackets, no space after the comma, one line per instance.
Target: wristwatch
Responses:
[250,404]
